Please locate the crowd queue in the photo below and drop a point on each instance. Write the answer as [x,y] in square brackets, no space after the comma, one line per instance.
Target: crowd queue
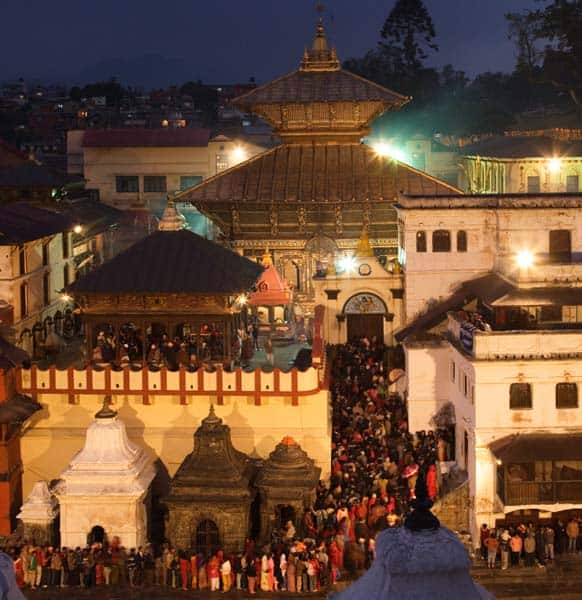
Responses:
[375,464]
[528,545]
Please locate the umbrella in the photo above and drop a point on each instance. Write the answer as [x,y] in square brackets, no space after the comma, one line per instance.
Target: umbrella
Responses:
[410,470]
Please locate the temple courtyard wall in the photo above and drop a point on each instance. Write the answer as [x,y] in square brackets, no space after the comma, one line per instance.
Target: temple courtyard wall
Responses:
[162,410]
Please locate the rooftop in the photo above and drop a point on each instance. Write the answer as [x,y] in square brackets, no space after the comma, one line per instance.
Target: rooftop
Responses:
[512,147]
[146,138]
[172,262]
[21,222]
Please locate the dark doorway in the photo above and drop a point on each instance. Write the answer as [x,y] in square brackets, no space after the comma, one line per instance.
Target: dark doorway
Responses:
[96,535]
[207,538]
[560,246]
[285,514]
[255,517]
[360,326]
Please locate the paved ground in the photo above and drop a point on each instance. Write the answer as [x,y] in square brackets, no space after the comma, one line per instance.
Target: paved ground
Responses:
[155,593]
[283,356]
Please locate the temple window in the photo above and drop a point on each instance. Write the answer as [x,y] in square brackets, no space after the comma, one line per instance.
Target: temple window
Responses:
[46,289]
[45,254]
[560,246]
[520,396]
[461,241]
[125,184]
[421,241]
[572,184]
[441,240]
[154,183]
[65,245]
[23,300]
[533,184]
[566,395]
[21,259]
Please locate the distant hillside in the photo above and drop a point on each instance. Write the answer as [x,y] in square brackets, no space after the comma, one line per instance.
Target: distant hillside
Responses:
[148,71]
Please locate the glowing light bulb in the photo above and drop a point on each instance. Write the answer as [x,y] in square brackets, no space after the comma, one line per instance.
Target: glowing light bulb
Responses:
[77,229]
[525,259]
[239,154]
[554,165]
[388,151]
[347,264]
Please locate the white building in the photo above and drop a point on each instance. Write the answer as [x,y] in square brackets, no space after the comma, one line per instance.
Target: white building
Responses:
[494,300]
[106,486]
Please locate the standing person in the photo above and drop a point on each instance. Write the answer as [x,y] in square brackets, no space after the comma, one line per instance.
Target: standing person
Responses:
[492,544]
[529,547]
[202,573]
[484,536]
[504,547]
[549,536]
[572,531]
[269,350]
[515,545]
[255,336]
[214,574]
[131,567]
[194,570]
[184,566]
[225,572]
[251,573]
[291,573]
[56,567]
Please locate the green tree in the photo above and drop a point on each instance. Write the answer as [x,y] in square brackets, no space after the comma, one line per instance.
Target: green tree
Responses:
[549,43]
[409,34]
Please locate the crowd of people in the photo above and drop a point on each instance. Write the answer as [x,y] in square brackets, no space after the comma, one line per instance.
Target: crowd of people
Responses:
[526,545]
[375,461]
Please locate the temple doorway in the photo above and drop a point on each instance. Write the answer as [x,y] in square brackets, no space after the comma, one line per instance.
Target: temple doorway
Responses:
[96,535]
[365,314]
[207,537]
[369,326]
[285,513]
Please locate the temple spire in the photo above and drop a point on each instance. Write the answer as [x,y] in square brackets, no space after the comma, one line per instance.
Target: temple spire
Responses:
[320,57]
[172,219]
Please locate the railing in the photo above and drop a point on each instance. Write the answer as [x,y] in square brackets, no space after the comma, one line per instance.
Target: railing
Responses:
[543,492]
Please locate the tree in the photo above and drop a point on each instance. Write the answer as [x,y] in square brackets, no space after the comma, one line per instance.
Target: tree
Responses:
[557,28]
[409,34]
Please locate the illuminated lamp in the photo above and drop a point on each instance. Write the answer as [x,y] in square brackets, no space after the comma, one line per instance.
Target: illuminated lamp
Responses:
[554,165]
[347,264]
[525,259]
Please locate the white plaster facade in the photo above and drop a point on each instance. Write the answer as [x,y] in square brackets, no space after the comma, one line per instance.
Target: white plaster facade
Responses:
[367,277]
[106,485]
[477,380]
[34,291]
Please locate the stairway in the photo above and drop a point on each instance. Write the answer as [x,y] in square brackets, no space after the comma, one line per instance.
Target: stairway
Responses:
[452,509]
[561,580]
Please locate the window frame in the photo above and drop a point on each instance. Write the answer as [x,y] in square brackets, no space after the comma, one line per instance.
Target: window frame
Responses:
[23,300]
[122,182]
[515,402]
[538,187]
[183,187]
[445,236]
[421,241]
[571,177]
[158,179]
[462,241]
[560,404]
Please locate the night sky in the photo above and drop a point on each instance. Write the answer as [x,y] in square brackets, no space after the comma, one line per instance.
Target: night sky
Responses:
[230,40]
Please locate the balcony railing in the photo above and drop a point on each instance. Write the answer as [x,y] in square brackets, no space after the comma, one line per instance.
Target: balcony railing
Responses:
[543,492]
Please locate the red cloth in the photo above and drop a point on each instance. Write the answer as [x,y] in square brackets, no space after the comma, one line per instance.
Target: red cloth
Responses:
[431,482]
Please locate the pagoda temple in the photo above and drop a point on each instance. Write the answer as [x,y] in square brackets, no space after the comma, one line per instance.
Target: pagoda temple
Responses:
[322,181]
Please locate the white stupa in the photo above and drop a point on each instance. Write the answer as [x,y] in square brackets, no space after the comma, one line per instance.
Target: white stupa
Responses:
[105,485]
[419,561]
[172,219]
[38,514]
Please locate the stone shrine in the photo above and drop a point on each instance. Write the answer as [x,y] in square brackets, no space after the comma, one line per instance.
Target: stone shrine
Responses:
[286,482]
[38,514]
[104,490]
[211,494]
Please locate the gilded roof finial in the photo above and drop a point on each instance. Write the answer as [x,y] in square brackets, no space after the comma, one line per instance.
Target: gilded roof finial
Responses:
[320,57]
[364,248]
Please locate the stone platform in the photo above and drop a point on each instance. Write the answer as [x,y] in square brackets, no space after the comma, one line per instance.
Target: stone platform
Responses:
[154,593]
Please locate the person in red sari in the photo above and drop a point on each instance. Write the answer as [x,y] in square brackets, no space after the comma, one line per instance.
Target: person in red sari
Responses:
[431,482]
[184,565]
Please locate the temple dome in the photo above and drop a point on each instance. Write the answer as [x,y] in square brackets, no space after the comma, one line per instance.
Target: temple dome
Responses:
[108,463]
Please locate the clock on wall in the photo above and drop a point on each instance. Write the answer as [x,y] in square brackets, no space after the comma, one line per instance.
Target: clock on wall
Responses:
[364,269]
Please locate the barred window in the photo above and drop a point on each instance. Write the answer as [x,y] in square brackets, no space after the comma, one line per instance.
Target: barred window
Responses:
[566,395]
[461,241]
[421,241]
[441,240]
[520,396]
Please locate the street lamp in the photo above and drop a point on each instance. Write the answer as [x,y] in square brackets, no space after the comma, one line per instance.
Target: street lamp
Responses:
[554,165]
[525,259]
[347,263]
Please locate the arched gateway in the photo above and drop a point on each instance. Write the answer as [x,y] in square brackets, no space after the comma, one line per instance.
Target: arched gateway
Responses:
[207,537]
[365,314]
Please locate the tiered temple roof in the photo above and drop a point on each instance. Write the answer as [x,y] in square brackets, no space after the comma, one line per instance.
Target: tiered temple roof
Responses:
[322,177]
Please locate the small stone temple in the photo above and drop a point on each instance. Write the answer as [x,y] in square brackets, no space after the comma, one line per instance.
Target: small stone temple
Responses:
[286,483]
[38,515]
[219,495]
[211,493]
[104,492]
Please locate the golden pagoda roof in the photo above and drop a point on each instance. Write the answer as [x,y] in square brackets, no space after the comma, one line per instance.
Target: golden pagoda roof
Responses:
[309,184]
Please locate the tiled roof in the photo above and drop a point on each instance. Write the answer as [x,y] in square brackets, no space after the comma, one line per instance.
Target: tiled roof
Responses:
[144,138]
[323,173]
[30,174]
[20,222]
[179,262]
[523,147]
[304,87]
